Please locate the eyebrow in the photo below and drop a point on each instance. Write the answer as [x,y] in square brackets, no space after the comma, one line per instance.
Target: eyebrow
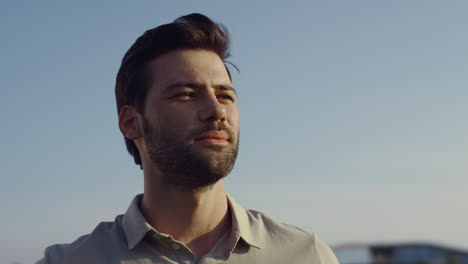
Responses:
[197,86]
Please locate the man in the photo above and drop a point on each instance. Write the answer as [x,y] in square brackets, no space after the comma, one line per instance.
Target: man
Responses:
[178,113]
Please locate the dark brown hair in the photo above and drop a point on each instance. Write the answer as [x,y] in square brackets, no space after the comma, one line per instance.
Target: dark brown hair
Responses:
[193,31]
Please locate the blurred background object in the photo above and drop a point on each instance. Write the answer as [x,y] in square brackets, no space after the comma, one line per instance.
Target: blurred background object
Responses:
[400,253]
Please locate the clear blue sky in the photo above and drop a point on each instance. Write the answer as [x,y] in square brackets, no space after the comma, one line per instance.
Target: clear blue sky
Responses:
[353,116]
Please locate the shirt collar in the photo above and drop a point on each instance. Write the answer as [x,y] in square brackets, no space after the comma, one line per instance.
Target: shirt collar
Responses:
[135,226]
[241,222]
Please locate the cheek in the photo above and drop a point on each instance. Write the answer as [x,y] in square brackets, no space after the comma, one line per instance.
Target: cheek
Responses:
[235,119]
[177,120]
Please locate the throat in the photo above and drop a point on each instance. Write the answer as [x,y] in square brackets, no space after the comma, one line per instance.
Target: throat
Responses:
[198,220]
[202,245]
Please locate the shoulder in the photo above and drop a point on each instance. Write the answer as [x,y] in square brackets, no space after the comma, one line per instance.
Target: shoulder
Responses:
[102,241]
[289,238]
[266,229]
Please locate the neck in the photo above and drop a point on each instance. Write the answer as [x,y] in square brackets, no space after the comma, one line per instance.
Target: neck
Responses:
[197,218]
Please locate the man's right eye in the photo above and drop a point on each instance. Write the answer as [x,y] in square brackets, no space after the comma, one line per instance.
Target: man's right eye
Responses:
[184,95]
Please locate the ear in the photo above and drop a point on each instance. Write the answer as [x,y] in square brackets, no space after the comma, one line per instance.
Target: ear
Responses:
[129,123]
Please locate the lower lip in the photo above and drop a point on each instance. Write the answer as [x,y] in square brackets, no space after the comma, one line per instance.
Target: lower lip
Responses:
[214,141]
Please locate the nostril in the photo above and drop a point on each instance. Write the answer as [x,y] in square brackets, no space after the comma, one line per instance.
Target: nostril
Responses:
[212,113]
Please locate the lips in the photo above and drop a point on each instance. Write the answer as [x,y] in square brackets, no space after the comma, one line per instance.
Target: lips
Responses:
[213,135]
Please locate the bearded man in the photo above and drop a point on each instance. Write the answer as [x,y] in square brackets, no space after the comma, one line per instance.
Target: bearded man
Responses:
[178,113]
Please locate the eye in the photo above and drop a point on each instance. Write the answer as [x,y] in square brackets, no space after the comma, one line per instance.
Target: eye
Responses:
[226,97]
[188,94]
[184,95]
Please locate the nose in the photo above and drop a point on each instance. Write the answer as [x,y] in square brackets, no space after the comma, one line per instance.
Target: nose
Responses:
[212,110]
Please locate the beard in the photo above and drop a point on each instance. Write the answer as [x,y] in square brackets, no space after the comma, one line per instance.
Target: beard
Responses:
[184,167]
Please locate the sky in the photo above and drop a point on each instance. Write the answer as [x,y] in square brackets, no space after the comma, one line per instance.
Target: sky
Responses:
[353,116]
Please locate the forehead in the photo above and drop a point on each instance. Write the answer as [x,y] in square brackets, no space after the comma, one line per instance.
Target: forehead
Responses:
[200,66]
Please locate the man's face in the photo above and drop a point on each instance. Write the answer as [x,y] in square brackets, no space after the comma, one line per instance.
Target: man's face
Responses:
[190,120]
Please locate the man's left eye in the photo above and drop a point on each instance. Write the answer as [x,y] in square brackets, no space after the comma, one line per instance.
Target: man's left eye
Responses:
[225,97]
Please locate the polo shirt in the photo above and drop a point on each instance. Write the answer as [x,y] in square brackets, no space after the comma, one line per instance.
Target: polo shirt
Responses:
[253,238]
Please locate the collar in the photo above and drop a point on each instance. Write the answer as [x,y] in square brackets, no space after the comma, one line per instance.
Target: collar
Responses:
[241,222]
[135,226]
[134,223]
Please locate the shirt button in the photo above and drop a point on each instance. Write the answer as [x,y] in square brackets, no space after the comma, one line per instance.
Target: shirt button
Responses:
[175,246]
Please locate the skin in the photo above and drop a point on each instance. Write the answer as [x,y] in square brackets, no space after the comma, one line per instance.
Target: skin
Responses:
[197,217]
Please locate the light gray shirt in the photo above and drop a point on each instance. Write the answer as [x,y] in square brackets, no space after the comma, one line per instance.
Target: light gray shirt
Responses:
[253,238]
